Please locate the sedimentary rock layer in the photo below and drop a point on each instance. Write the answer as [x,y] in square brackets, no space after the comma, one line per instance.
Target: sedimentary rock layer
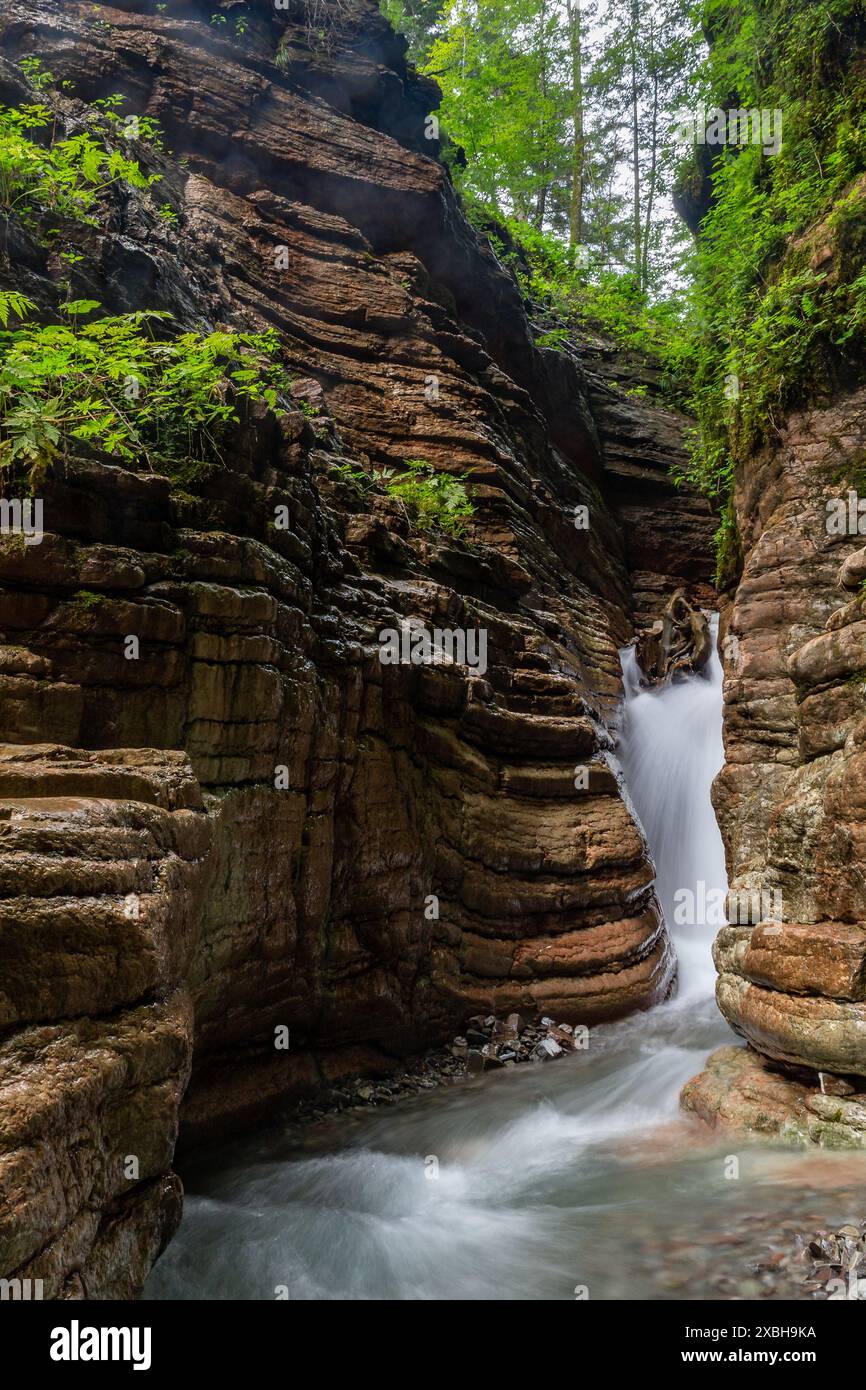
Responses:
[790,799]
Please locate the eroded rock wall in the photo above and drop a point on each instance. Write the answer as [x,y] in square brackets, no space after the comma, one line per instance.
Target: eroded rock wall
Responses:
[246,827]
[790,799]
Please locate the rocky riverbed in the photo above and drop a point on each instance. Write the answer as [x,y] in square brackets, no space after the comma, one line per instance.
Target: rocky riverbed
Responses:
[487,1044]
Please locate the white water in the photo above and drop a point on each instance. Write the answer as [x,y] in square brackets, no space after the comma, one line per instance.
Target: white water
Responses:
[670,751]
[577,1172]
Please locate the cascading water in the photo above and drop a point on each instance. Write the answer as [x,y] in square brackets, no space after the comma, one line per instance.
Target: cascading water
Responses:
[670,751]
[542,1181]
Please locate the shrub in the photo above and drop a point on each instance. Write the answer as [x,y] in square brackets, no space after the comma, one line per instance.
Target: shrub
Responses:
[437,501]
[112,384]
[63,177]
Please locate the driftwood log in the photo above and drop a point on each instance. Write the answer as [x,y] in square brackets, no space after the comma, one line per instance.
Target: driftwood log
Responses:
[679,643]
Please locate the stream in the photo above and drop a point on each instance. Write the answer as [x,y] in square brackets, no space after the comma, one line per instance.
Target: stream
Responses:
[569,1179]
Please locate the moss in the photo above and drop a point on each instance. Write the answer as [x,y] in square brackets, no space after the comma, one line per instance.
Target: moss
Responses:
[729,549]
[86,598]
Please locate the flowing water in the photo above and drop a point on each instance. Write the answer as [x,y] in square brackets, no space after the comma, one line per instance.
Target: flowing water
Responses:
[546,1181]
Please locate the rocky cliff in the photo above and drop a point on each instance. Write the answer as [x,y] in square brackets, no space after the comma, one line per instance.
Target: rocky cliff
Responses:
[790,799]
[255,831]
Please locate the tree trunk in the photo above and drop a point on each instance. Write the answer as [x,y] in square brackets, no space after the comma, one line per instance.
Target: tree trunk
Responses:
[575,210]
[635,136]
[653,173]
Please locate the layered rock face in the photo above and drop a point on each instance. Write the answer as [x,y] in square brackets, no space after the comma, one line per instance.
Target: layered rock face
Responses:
[251,830]
[665,523]
[790,799]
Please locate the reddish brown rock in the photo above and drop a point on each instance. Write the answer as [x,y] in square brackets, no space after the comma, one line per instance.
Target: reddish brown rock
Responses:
[826,958]
[257,814]
[741,1090]
[790,799]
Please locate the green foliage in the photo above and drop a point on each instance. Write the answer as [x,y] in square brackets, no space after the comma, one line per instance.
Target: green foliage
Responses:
[356,478]
[575,296]
[546,106]
[497,63]
[436,501]
[14,303]
[145,129]
[776,323]
[38,77]
[60,177]
[111,384]
[86,598]
[418,21]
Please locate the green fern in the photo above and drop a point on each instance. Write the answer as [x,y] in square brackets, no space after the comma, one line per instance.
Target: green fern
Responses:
[111,384]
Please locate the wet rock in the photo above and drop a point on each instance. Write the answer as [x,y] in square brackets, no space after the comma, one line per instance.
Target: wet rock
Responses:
[297,903]
[548,1048]
[492,1059]
[741,1089]
[791,794]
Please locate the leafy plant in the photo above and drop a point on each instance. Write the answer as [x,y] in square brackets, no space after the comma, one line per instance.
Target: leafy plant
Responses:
[63,177]
[38,77]
[86,598]
[433,501]
[12,302]
[111,384]
[355,477]
[436,501]
[146,129]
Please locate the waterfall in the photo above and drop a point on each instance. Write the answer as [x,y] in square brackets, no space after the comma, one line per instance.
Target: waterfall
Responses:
[670,751]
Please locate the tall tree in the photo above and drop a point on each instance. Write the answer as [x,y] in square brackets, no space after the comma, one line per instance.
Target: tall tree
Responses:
[575,41]
[635,132]
[499,64]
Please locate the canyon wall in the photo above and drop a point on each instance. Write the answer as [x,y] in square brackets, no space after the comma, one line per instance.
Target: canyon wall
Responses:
[253,824]
[791,799]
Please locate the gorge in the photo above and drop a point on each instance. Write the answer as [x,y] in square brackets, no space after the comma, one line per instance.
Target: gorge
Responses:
[226,821]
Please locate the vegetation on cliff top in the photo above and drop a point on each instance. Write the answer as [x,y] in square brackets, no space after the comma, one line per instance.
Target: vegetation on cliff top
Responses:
[569,116]
[780,266]
[120,384]
[43,173]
